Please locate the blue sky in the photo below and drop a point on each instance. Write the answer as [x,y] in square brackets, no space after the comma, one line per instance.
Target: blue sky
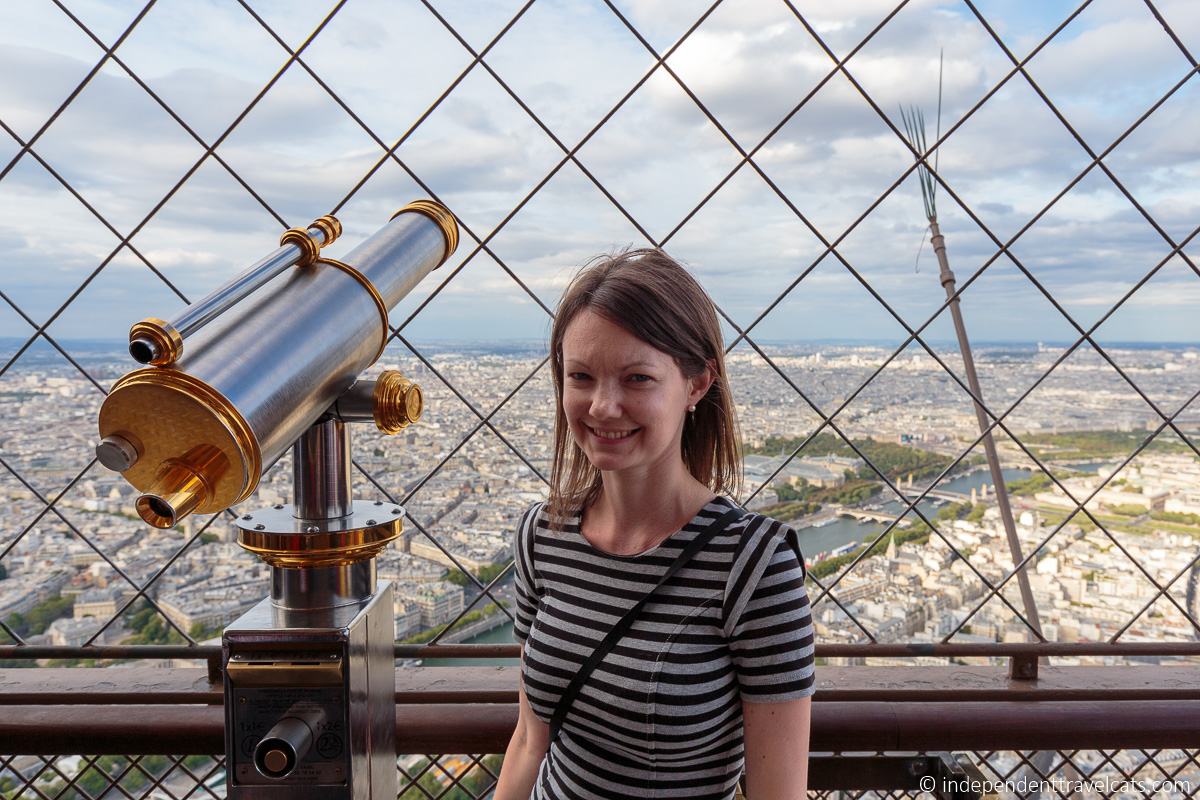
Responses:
[570,62]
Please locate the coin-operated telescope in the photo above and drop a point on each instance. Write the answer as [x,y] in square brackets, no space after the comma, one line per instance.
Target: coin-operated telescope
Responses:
[271,360]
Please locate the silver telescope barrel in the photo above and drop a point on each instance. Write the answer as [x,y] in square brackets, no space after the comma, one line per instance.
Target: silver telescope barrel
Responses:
[195,435]
[158,342]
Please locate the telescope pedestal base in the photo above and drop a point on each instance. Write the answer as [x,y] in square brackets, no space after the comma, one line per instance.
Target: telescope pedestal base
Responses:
[310,702]
[299,588]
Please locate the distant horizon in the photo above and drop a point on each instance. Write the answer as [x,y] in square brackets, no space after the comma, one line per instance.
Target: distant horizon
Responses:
[860,342]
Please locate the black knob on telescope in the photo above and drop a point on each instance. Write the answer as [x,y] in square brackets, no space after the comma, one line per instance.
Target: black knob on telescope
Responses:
[277,755]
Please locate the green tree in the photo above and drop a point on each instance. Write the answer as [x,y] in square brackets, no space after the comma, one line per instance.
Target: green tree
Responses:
[1176,516]
[38,618]
[149,627]
[894,460]
[1128,510]
[199,631]
[486,574]
[1031,485]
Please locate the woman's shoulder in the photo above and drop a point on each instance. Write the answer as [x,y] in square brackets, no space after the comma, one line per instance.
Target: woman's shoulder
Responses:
[537,515]
[762,537]
[528,521]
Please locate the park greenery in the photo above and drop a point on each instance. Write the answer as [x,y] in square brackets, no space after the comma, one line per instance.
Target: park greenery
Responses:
[1038,482]
[1176,516]
[1128,509]
[200,632]
[896,461]
[972,512]
[149,627]
[831,566]
[485,574]
[791,511]
[850,493]
[917,533]
[37,619]
[1089,445]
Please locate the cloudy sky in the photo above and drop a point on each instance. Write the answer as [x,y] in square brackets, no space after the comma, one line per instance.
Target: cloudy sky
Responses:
[750,62]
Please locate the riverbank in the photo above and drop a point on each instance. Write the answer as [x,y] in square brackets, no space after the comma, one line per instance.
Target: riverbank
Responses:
[827,530]
[465,633]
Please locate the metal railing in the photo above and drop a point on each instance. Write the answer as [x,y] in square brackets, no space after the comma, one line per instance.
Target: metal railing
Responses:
[952,731]
[50,507]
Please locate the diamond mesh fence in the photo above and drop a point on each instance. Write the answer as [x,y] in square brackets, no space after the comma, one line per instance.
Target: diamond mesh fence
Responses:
[1100,543]
[1051,774]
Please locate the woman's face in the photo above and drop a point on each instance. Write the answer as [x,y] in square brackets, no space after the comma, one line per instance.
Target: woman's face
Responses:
[624,400]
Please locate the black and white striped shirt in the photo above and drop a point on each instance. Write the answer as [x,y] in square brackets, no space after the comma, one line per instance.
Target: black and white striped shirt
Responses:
[661,715]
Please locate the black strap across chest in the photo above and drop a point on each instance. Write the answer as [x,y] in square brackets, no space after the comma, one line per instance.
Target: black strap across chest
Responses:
[622,627]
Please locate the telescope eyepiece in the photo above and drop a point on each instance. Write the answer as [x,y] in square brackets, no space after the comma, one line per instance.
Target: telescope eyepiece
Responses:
[156,511]
[155,341]
[181,486]
[287,743]
[143,350]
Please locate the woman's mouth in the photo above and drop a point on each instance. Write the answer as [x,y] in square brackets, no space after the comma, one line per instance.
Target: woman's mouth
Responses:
[612,435]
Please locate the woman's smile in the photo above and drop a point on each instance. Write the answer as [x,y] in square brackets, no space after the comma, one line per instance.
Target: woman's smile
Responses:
[607,435]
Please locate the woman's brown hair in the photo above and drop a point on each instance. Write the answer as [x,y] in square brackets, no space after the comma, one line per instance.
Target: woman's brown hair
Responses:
[649,294]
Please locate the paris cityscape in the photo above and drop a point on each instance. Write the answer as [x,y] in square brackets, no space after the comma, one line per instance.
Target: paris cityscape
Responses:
[68,574]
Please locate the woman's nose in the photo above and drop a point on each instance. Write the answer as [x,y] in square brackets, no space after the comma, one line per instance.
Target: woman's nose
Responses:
[606,404]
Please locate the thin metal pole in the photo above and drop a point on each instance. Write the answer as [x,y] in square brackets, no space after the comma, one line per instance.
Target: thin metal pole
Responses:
[989,445]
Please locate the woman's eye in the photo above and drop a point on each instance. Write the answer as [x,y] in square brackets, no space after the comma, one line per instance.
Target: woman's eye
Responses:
[577,376]
[640,378]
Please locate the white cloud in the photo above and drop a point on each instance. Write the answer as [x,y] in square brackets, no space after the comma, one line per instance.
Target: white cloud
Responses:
[751,62]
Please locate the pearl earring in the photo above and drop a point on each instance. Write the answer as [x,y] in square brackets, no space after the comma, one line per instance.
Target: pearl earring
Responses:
[691,408]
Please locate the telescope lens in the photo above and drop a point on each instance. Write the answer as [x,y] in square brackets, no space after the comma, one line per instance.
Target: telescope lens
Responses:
[142,350]
[155,511]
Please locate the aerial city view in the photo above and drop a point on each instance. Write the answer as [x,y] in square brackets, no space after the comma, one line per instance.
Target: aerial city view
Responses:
[67,576]
[951,248]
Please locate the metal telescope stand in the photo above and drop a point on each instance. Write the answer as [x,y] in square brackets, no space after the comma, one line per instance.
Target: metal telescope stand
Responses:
[269,361]
[309,671]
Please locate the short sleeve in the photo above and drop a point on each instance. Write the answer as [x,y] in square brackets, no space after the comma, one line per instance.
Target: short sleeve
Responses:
[770,635]
[527,590]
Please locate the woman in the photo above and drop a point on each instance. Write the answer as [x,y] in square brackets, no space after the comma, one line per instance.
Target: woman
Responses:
[717,668]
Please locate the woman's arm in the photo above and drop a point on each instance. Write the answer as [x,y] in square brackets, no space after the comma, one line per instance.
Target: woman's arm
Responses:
[525,751]
[776,738]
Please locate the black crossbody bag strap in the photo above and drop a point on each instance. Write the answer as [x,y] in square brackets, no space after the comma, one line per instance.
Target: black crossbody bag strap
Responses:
[623,625]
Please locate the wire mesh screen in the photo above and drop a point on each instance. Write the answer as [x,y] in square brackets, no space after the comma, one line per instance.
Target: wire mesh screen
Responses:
[1073,773]
[759,142]
[875,436]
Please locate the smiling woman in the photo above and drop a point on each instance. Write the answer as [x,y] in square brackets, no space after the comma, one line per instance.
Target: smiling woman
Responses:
[668,643]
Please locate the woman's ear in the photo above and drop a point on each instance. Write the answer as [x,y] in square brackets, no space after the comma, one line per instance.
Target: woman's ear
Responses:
[701,383]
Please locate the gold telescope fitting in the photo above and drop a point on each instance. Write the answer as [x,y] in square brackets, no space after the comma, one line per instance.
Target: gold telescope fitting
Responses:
[160,336]
[365,282]
[324,549]
[309,250]
[442,216]
[175,416]
[398,402]
[181,486]
[329,226]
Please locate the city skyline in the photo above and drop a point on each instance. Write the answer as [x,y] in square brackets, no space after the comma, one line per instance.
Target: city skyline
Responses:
[469,504]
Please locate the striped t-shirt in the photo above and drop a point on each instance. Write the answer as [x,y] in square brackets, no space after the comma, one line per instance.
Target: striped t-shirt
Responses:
[661,715]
